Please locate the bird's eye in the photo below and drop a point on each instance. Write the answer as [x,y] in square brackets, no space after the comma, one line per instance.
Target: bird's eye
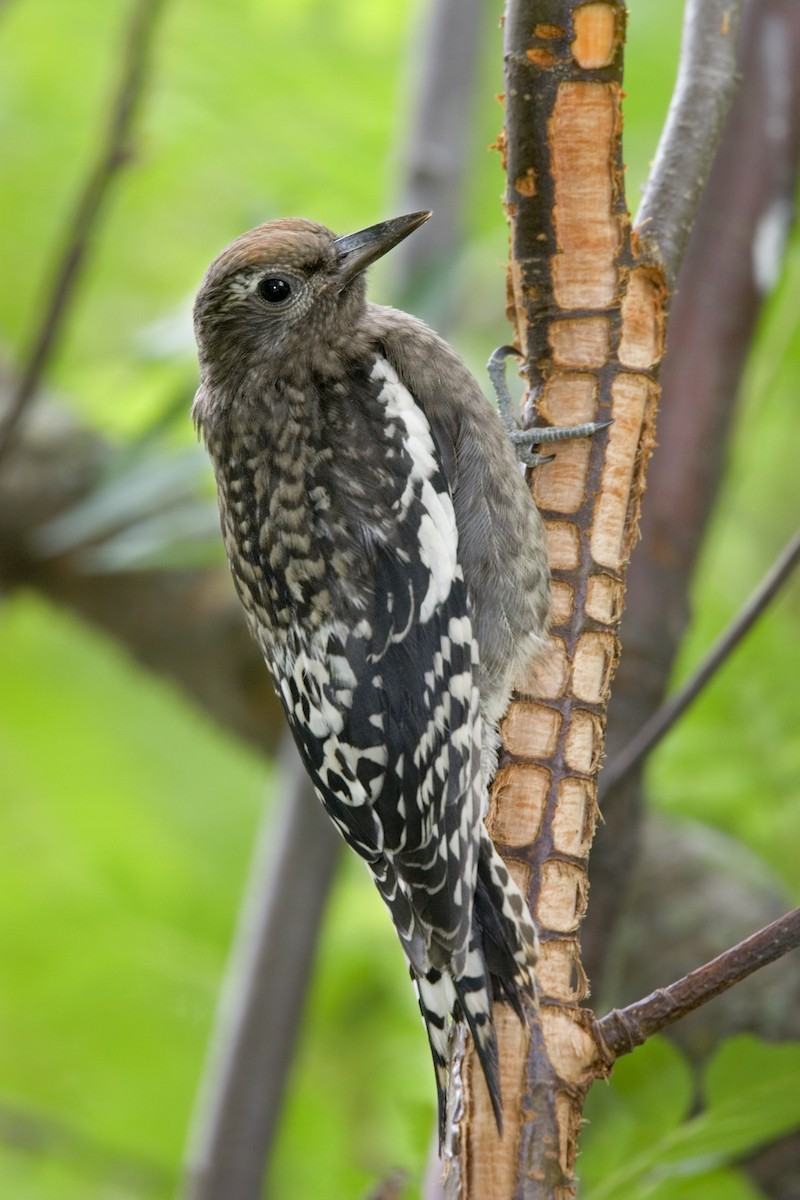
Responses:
[274,289]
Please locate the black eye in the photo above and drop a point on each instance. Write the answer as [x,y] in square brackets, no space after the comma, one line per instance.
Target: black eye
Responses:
[274,289]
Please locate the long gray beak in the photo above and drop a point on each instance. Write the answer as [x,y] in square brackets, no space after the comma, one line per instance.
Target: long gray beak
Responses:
[358,250]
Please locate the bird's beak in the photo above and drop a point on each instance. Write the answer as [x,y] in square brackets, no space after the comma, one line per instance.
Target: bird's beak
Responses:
[357,251]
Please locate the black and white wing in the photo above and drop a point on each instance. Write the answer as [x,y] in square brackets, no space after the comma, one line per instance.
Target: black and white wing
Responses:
[387,718]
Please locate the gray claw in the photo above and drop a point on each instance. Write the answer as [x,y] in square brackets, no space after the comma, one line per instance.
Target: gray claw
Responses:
[524,439]
[562,433]
[496,368]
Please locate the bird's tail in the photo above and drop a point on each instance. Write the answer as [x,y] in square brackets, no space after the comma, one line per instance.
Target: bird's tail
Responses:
[445,997]
[437,1002]
[510,943]
[499,964]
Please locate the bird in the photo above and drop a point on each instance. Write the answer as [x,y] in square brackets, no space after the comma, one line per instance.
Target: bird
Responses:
[392,568]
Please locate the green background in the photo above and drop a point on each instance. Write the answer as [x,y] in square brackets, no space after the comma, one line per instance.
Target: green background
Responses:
[128,818]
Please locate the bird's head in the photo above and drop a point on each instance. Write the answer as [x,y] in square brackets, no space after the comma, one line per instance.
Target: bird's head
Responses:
[285,292]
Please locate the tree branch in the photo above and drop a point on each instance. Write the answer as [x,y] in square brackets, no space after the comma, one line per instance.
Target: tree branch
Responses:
[262,1000]
[589,313]
[437,152]
[703,93]
[590,330]
[622,1030]
[665,717]
[115,152]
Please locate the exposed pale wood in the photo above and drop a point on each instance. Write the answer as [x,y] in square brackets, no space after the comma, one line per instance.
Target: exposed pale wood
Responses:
[493,1172]
[597,35]
[580,341]
[531,730]
[521,790]
[589,315]
[576,298]
[584,122]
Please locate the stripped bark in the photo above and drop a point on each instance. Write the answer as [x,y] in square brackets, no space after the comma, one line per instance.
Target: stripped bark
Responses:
[564,367]
[591,331]
[590,316]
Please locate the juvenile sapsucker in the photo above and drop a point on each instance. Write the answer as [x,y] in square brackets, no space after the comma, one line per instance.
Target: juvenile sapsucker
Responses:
[392,567]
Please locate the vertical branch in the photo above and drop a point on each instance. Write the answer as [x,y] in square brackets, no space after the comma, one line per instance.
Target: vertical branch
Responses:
[590,328]
[589,314]
[262,1000]
[115,152]
[438,146]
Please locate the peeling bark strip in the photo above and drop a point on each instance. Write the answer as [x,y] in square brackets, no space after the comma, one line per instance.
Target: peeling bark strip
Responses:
[590,321]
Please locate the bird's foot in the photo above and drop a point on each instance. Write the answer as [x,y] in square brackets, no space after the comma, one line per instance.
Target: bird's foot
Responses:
[524,440]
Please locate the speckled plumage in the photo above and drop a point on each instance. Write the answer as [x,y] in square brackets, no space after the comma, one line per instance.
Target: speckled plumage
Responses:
[392,568]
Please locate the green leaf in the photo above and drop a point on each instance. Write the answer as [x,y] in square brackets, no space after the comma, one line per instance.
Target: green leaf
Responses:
[649,1093]
[753,1097]
[752,1091]
[723,1184]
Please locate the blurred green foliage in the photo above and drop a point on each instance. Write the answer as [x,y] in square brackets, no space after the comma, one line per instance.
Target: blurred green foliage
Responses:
[128,818]
[735,761]
[646,1143]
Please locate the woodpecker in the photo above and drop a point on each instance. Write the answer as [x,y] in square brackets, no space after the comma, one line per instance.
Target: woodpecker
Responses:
[392,568]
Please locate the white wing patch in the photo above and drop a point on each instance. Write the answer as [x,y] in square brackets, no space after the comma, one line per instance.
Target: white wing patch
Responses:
[438,535]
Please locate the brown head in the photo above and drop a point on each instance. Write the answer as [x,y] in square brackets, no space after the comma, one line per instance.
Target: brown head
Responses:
[285,293]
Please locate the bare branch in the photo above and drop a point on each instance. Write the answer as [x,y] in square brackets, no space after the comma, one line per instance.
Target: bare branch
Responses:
[665,717]
[703,93]
[590,325]
[262,1001]
[115,152]
[622,1030]
[438,148]
[575,276]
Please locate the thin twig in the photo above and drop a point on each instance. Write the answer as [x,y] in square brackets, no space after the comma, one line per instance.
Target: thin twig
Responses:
[115,152]
[665,717]
[703,93]
[622,1030]
[391,1188]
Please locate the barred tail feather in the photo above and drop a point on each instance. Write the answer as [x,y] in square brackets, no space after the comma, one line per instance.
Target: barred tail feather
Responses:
[510,944]
[499,962]
[443,999]
[474,991]
[437,1000]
